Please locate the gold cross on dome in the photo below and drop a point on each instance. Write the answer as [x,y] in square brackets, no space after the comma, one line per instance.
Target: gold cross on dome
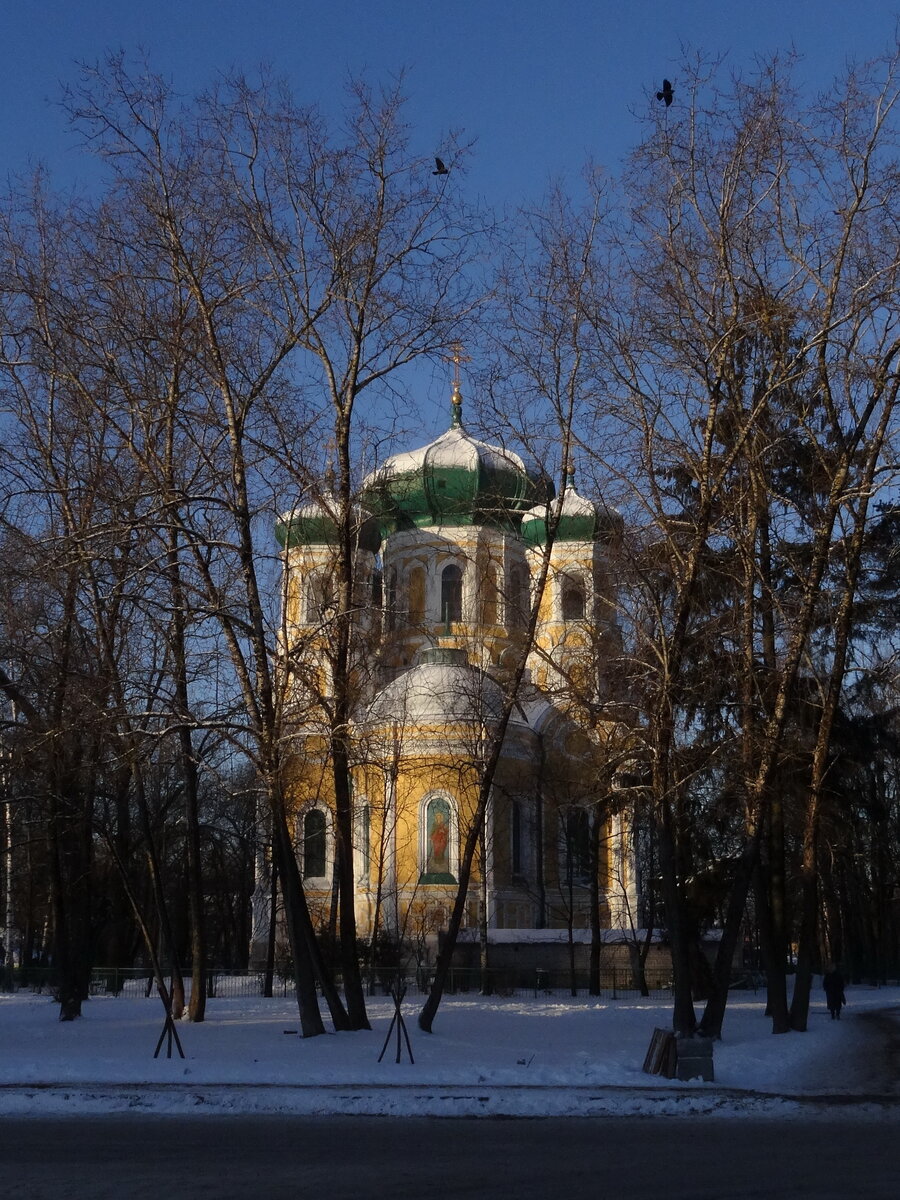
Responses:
[456,358]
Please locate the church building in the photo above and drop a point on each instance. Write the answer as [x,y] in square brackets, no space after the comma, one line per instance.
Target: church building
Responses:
[451,548]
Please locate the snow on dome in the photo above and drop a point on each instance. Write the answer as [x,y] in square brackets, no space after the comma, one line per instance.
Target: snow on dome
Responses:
[440,693]
[456,480]
[314,523]
[578,519]
[453,450]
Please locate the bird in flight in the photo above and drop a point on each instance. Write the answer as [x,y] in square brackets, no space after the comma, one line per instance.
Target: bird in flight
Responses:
[666,93]
[440,169]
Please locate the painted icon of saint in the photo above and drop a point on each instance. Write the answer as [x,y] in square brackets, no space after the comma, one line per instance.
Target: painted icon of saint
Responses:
[438,837]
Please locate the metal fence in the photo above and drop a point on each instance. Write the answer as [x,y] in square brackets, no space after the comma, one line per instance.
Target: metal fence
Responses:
[136,982]
[615,984]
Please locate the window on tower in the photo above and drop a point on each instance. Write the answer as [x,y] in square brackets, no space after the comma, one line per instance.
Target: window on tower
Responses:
[390,599]
[364,848]
[320,598]
[451,593]
[417,596]
[519,602]
[573,598]
[489,597]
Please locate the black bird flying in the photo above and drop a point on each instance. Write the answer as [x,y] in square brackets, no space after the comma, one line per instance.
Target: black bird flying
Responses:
[440,168]
[666,93]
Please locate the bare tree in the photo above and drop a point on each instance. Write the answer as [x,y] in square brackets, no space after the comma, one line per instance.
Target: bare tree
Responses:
[254,259]
[757,266]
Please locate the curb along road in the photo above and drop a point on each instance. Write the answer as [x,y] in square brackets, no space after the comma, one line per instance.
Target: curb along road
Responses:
[407,1100]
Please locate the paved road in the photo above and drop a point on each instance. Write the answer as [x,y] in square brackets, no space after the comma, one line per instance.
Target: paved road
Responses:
[337,1157]
[883,1069]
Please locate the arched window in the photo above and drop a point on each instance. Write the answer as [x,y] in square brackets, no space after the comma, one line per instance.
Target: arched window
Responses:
[451,593]
[364,846]
[519,601]
[515,829]
[314,844]
[573,598]
[575,848]
[438,841]
[390,599]
[320,599]
[489,597]
[417,595]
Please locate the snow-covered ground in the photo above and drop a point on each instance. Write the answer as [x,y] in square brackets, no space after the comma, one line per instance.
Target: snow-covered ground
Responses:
[524,1057]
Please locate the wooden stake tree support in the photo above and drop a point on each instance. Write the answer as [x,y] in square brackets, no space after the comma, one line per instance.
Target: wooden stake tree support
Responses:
[398,991]
[169,1031]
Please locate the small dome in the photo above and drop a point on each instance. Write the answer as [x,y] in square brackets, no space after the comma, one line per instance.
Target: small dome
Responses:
[314,523]
[455,480]
[442,690]
[579,519]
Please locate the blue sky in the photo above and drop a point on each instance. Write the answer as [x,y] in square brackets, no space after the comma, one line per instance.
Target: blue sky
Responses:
[541,85]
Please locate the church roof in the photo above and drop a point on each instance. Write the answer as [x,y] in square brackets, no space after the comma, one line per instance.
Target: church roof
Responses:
[314,522]
[442,690]
[577,519]
[454,480]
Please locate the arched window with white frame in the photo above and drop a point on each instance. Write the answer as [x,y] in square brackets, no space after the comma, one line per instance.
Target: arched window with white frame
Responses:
[314,854]
[573,598]
[390,599]
[438,840]
[416,585]
[518,602]
[363,843]
[451,593]
[320,597]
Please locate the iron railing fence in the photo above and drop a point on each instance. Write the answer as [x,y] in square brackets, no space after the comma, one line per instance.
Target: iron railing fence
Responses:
[615,983]
[136,981]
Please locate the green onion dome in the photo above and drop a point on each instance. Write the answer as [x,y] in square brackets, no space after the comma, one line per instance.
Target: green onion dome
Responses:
[577,519]
[314,523]
[454,480]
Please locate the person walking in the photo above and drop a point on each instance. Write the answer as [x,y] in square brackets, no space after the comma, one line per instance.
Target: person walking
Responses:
[833,983]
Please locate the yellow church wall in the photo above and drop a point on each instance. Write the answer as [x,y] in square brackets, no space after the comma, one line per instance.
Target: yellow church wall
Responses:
[486,556]
[548,767]
[394,854]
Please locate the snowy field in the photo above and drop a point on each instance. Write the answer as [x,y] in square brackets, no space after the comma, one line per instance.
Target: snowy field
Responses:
[486,1057]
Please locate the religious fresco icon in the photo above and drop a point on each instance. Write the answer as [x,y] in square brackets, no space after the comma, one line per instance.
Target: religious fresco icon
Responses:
[437,843]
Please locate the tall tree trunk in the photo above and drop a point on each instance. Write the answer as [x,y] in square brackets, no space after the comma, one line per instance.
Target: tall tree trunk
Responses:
[300,932]
[843,625]
[684,1019]
[70,890]
[483,948]
[269,969]
[596,952]
[170,951]
[189,771]
[776,968]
